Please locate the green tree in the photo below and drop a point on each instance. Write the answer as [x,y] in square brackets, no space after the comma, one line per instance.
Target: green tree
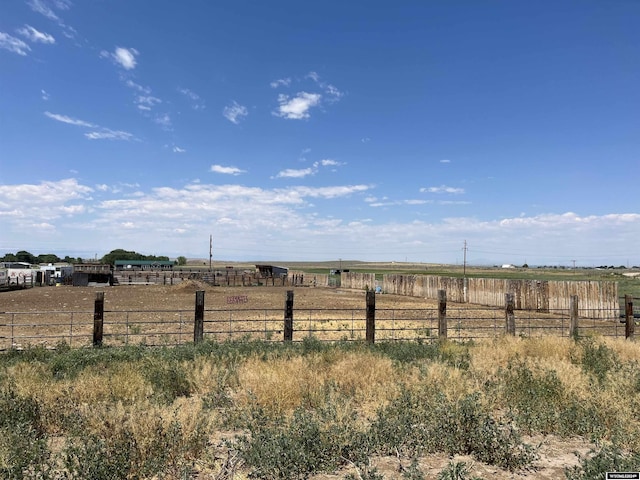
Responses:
[24,256]
[48,258]
[181,260]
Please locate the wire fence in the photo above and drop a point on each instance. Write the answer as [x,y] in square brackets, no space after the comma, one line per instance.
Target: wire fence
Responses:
[173,327]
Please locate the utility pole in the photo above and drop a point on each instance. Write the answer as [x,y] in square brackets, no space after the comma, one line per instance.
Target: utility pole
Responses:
[210,250]
[574,264]
[464,263]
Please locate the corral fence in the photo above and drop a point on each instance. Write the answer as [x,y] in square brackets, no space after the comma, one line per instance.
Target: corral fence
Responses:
[220,278]
[452,321]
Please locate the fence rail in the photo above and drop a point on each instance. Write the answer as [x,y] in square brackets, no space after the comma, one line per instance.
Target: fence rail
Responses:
[460,322]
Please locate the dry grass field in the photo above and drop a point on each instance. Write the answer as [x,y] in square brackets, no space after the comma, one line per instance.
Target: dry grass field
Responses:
[563,397]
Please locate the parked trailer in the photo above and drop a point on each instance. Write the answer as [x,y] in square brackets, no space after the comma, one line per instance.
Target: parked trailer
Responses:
[19,275]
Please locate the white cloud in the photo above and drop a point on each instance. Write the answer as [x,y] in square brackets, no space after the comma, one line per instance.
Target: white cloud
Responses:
[196,101]
[42,8]
[282,82]
[125,57]
[36,36]
[289,224]
[177,149]
[298,107]
[442,189]
[147,102]
[45,95]
[69,120]
[100,134]
[13,44]
[313,76]
[235,112]
[108,134]
[296,173]
[330,163]
[131,84]
[445,161]
[163,120]
[226,170]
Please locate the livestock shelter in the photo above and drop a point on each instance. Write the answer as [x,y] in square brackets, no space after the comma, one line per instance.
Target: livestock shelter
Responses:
[268,271]
[134,265]
[94,274]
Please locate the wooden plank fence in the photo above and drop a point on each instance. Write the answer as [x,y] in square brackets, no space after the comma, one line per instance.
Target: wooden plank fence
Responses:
[598,299]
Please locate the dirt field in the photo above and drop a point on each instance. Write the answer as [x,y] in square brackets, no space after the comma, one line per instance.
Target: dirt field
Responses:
[164,315]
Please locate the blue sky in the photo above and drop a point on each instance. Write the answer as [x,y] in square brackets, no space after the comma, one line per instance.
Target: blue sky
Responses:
[381,131]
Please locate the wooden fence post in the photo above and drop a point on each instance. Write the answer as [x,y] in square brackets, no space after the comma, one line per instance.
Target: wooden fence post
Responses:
[98,319]
[371,316]
[630,325]
[442,314]
[573,316]
[509,315]
[288,317]
[198,324]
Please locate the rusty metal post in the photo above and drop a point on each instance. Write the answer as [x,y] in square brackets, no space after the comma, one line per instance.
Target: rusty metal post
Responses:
[98,319]
[288,317]
[371,316]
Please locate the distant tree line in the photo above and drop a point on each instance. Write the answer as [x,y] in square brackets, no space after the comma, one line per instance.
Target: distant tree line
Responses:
[120,254]
[109,258]
[27,257]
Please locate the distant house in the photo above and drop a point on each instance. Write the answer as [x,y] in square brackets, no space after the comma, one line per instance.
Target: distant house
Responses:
[272,271]
[508,265]
[136,265]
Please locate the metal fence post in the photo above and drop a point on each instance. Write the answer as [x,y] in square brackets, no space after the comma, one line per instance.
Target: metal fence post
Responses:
[98,319]
[630,325]
[198,324]
[573,316]
[288,317]
[371,316]
[442,314]
[509,315]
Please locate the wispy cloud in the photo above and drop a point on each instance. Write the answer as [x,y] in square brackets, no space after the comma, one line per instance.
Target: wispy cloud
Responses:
[36,36]
[305,172]
[13,44]
[42,8]
[108,134]
[136,86]
[442,189]
[445,161]
[235,112]
[227,170]
[44,95]
[146,102]
[177,149]
[196,101]
[69,120]
[164,121]
[282,82]
[124,57]
[101,134]
[297,108]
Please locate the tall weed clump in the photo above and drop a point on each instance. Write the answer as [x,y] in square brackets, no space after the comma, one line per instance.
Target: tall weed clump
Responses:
[23,441]
[421,421]
[311,440]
